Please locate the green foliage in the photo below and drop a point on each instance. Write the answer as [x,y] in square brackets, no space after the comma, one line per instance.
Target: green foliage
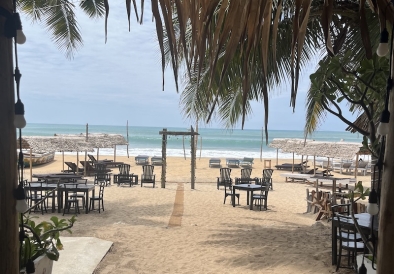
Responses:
[358,192]
[43,238]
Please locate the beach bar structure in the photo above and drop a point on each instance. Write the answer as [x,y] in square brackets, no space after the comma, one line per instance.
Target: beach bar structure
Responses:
[192,134]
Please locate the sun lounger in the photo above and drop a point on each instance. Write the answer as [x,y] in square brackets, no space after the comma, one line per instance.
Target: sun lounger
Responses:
[142,159]
[214,162]
[232,162]
[291,177]
[156,160]
[246,162]
[286,166]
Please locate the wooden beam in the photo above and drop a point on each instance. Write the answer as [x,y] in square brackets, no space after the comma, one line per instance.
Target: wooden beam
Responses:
[178,133]
[9,246]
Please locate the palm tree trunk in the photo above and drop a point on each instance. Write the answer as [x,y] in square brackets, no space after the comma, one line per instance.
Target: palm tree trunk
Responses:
[9,258]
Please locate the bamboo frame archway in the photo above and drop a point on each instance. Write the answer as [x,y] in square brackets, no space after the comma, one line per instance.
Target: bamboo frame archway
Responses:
[165,133]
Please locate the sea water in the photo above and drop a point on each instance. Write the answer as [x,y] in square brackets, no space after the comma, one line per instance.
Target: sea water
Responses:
[220,143]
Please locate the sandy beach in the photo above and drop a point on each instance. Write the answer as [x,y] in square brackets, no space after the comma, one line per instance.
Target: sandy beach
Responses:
[180,230]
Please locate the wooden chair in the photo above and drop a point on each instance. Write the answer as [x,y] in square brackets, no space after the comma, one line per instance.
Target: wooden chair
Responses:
[224,177]
[245,176]
[147,176]
[99,199]
[262,197]
[124,176]
[77,195]
[36,198]
[267,177]
[228,191]
[349,239]
[71,198]
[102,175]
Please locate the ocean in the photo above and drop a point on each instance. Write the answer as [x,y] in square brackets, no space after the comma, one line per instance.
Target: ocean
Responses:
[212,142]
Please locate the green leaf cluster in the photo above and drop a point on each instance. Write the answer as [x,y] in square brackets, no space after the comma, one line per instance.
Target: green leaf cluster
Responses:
[43,238]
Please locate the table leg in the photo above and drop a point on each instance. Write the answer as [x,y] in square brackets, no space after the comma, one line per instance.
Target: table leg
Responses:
[251,202]
[333,244]
[247,197]
[53,202]
[87,201]
[233,197]
[59,201]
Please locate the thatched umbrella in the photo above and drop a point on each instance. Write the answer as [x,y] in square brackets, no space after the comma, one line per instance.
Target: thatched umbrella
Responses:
[61,143]
[104,140]
[278,143]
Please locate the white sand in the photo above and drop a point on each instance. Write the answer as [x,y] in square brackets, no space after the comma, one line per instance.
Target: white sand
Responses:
[179,230]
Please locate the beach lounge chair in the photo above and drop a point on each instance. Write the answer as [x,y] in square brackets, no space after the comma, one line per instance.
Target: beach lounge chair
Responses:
[246,162]
[295,167]
[108,163]
[245,176]
[142,159]
[90,169]
[147,176]
[124,176]
[72,167]
[214,162]
[362,167]
[232,162]
[94,161]
[156,160]
[345,167]
[224,177]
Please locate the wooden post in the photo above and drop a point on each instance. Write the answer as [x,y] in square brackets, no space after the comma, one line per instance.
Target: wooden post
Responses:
[386,221]
[164,156]
[9,259]
[193,160]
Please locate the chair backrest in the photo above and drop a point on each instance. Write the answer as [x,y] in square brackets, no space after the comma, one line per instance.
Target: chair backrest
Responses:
[225,174]
[124,169]
[92,158]
[245,173]
[267,174]
[362,164]
[88,166]
[80,181]
[101,168]
[101,190]
[147,170]
[72,166]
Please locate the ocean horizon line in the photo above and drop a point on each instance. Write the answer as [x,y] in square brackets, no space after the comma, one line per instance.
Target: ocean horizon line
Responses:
[184,127]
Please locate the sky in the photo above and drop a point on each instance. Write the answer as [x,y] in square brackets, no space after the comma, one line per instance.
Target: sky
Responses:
[110,83]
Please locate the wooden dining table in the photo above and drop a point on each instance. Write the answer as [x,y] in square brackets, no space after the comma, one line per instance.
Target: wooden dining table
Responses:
[61,190]
[248,188]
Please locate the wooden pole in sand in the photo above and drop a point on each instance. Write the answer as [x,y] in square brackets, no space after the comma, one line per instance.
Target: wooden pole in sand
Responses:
[261,147]
[164,156]
[31,166]
[193,160]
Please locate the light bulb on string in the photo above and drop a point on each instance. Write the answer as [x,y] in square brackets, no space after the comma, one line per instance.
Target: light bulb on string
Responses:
[19,119]
[372,207]
[19,194]
[383,47]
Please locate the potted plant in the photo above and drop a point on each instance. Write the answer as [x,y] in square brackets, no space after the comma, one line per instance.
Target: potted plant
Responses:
[40,243]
